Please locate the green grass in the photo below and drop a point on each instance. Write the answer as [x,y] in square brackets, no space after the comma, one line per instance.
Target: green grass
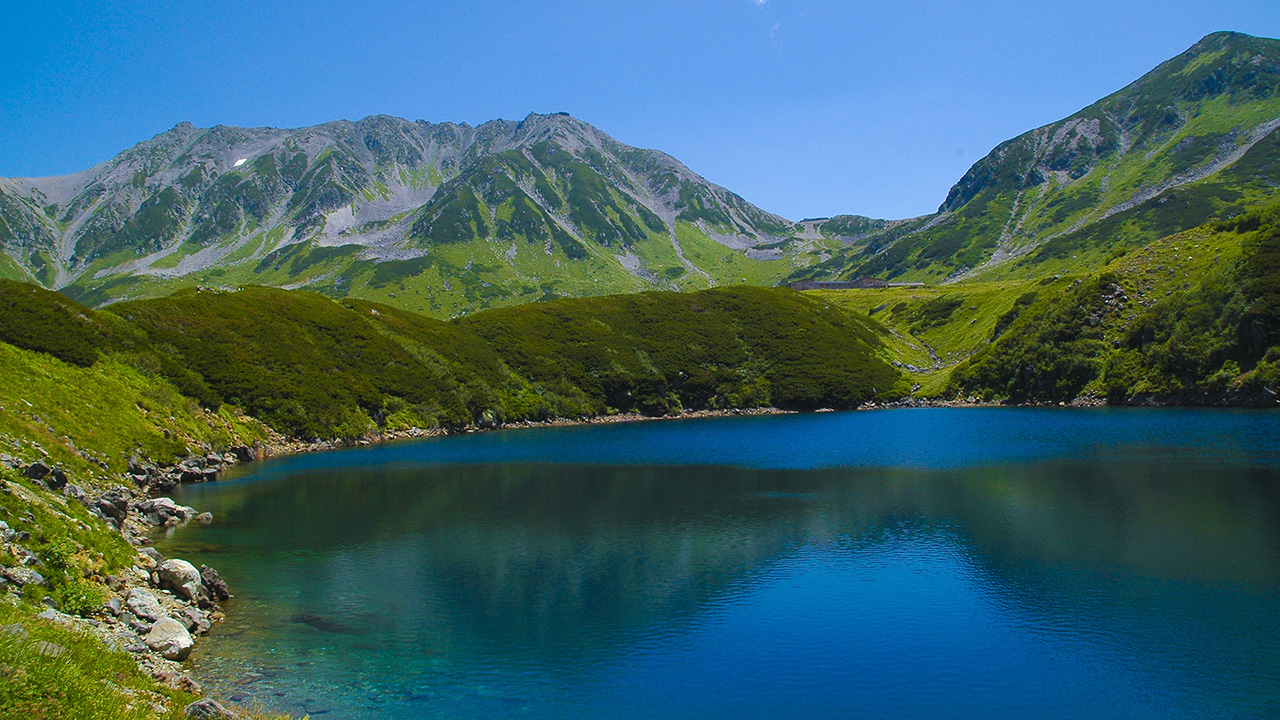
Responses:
[1192,318]
[86,680]
[976,308]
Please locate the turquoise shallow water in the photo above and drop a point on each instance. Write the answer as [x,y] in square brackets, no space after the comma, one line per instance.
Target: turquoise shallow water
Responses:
[891,564]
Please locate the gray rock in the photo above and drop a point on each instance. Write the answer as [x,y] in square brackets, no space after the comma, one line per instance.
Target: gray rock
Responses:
[182,578]
[22,576]
[195,621]
[53,615]
[143,604]
[14,630]
[169,638]
[162,510]
[136,624]
[113,606]
[244,453]
[152,553]
[75,492]
[206,709]
[113,504]
[214,583]
[36,470]
[204,518]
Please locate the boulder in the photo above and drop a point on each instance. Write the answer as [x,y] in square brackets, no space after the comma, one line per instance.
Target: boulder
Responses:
[36,470]
[204,518]
[182,578]
[214,583]
[143,604]
[169,638]
[56,479]
[108,509]
[113,503]
[244,453]
[159,511]
[206,709]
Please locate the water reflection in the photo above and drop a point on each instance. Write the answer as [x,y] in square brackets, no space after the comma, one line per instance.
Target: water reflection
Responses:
[1142,587]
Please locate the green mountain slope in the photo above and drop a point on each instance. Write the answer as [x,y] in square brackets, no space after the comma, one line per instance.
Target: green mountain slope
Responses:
[309,366]
[441,219]
[1192,140]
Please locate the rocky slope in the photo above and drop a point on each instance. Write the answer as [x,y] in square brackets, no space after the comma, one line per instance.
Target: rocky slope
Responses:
[1193,139]
[459,216]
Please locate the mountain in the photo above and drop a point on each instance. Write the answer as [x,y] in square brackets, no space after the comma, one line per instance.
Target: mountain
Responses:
[451,216]
[447,218]
[1191,140]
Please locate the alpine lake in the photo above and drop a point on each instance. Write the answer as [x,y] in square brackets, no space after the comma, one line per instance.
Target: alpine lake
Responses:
[911,563]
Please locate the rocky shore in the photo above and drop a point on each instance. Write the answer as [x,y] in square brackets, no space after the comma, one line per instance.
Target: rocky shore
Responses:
[156,609]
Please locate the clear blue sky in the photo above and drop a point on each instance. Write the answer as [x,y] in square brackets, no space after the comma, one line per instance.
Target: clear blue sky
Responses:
[804,107]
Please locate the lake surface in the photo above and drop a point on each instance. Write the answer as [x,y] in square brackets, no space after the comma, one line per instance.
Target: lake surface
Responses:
[967,563]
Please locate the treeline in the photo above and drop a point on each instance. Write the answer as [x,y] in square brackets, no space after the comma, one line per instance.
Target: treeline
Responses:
[314,368]
[1213,341]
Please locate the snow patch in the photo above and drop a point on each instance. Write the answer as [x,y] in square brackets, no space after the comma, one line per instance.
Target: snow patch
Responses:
[239,162]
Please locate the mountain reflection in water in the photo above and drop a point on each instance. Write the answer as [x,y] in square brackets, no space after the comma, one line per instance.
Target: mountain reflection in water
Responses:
[1061,587]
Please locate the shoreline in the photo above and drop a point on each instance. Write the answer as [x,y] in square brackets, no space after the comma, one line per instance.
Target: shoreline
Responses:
[279,446]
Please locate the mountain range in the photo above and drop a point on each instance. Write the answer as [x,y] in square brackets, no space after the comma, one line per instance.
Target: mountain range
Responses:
[447,218]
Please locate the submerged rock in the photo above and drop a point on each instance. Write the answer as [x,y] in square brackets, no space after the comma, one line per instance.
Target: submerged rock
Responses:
[206,709]
[169,638]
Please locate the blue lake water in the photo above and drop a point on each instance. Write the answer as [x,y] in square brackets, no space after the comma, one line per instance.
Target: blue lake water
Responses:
[968,563]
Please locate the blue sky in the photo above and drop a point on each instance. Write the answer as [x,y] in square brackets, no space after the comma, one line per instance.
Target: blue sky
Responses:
[804,107]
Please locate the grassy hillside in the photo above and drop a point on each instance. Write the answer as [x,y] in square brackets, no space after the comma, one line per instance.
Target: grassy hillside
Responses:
[722,348]
[1192,318]
[1191,141]
[311,367]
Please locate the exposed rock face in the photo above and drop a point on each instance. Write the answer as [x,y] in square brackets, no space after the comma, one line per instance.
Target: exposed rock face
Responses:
[573,186]
[182,578]
[169,638]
